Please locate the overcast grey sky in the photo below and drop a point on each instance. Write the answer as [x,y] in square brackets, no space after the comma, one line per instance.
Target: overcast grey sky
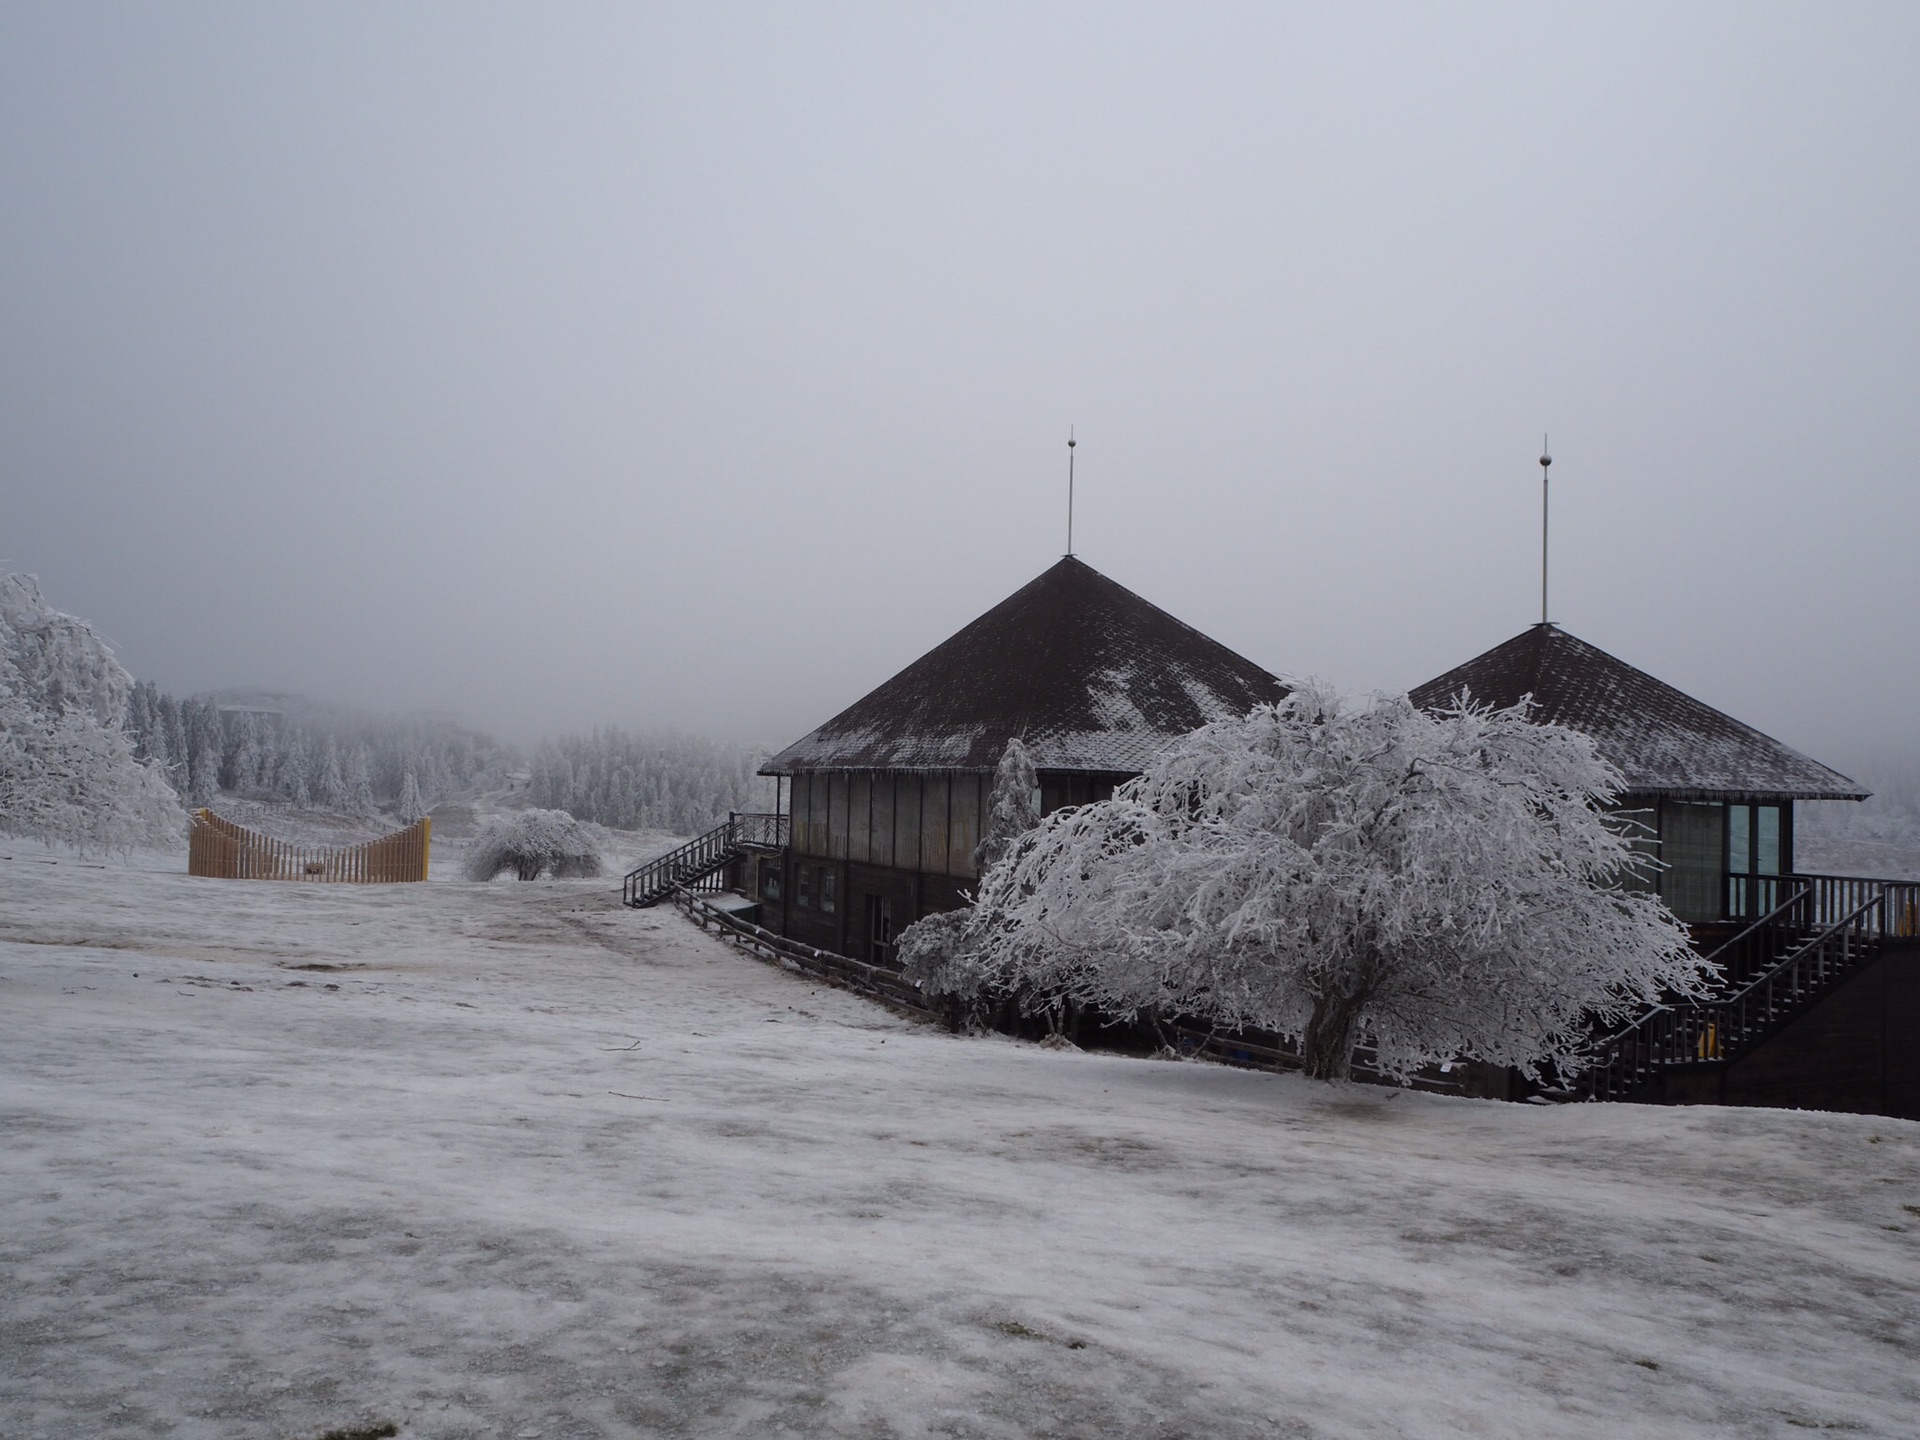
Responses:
[703,364]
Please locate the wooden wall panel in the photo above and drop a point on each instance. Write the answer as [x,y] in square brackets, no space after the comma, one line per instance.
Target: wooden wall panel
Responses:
[859,816]
[880,843]
[963,824]
[933,823]
[906,822]
[817,841]
[1852,1051]
[837,806]
[799,793]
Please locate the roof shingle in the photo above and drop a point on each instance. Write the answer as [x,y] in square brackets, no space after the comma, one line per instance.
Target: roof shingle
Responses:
[1661,739]
[1088,675]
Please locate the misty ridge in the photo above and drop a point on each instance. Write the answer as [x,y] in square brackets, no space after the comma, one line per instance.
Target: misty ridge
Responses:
[295,753]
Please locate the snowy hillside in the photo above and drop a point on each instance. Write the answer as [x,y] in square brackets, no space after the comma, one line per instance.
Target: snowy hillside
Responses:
[508,1160]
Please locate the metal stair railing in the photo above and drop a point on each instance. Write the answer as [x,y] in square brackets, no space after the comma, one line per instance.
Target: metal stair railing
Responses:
[1766,941]
[703,856]
[1719,1030]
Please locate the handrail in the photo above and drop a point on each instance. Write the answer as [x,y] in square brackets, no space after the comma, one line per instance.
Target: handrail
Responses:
[1837,895]
[1719,1029]
[1729,958]
[703,855]
[1808,949]
[877,982]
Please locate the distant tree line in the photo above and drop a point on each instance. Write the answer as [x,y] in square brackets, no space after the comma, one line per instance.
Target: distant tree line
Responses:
[353,764]
[679,783]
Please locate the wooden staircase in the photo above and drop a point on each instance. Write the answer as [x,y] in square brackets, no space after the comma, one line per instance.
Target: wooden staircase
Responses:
[1823,930]
[704,857]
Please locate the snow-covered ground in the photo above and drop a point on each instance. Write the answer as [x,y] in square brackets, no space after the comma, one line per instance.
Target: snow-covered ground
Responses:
[508,1160]
[455,823]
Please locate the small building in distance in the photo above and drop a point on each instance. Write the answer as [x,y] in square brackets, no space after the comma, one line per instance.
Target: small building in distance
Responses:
[1716,794]
[887,799]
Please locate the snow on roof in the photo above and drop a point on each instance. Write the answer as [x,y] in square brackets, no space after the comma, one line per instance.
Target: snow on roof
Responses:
[1661,739]
[1087,674]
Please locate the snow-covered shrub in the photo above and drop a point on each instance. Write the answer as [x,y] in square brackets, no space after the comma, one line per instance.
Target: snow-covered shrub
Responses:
[532,843]
[1437,885]
[68,772]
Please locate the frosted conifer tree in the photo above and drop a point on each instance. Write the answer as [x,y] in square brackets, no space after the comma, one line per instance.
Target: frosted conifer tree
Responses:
[68,772]
[412,806]
[204,770]
[330,783]
[243,770]
[176,733]
[1014,808]
[359,781]
[297,782]
[1430,885]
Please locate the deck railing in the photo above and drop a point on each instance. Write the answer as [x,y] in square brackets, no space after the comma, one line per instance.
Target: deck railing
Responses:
[698,863]
[1721,1028]
[881,982]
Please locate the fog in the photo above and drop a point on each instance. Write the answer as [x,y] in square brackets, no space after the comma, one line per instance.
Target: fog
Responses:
[701,365]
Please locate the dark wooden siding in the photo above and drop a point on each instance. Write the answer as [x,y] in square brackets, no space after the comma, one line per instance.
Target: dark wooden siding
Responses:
[909,837]
[1858,1050]
[963,822]
[906,821]
[1061,788]
[934,794]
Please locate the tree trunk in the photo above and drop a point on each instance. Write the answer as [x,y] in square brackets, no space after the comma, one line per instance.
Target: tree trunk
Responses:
[1332,1031]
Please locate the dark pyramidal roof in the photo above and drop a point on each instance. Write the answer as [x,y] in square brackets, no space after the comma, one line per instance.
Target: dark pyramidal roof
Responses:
[1087,674]
[1662,740]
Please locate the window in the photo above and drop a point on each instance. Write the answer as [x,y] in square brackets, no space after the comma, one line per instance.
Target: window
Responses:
[880,929]
[1693,840]
[769,879]
[1766,839]
[1753,855]
[803,887]
[829,890]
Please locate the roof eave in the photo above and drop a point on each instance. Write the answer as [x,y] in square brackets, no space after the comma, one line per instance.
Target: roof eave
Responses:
[1746,796]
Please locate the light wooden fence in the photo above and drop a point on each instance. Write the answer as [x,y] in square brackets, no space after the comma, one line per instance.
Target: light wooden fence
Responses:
[227,851]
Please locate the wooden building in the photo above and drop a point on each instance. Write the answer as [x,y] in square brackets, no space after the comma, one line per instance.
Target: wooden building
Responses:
[1716,795]
[886,800]
[1817,1001]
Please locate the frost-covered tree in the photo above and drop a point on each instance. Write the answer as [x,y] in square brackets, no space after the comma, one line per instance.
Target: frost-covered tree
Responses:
[68,771]
[1014,808]
[1430,885]
[532,843]
[330,781]
[359,781]
[242,768]
[678,783]
[296,780]
[412,806]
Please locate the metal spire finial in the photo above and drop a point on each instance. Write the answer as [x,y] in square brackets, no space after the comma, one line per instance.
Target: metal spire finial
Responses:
[1070,444]
[1546,459]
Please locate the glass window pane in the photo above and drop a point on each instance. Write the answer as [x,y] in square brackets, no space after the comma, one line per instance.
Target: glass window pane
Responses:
[1766,839]
[1738,852]
[1693,843]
